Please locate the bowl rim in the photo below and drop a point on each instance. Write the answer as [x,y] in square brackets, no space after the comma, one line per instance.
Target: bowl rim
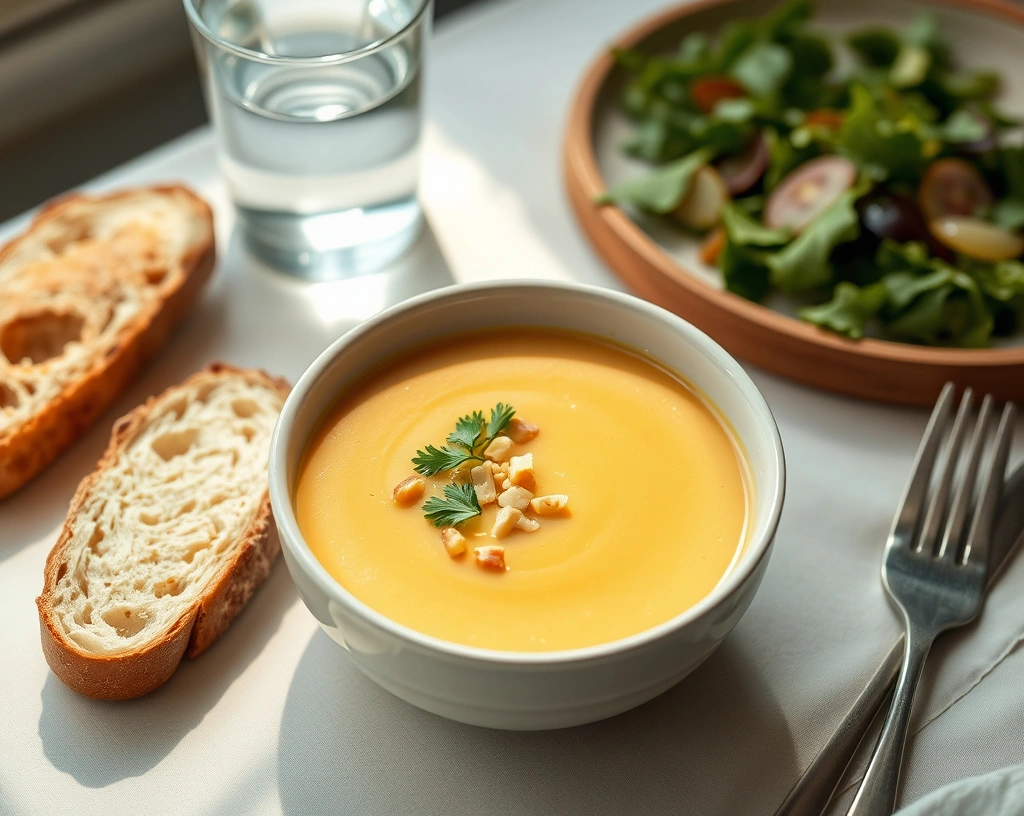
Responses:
[292,539]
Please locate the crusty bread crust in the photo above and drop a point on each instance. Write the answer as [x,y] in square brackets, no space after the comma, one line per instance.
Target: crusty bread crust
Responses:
[131,674]
[249,568]
[34,445]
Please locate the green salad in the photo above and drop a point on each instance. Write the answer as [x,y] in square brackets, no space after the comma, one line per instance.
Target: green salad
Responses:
[888,193]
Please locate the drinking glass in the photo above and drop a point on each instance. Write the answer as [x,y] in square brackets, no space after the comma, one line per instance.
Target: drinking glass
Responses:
[316,109]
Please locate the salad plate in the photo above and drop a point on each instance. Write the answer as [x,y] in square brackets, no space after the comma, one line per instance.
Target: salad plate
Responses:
[670,265]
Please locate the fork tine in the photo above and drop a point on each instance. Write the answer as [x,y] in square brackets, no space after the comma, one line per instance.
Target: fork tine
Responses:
[953,535]
[917,487]
[938,500]
[978,540]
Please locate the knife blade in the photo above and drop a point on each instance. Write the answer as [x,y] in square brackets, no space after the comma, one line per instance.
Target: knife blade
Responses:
[816,786]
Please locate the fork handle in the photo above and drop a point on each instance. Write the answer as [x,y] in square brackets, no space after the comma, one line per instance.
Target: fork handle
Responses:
[877,794]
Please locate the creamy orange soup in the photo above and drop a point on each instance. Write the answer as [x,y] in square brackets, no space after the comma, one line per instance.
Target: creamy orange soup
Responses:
[658,493]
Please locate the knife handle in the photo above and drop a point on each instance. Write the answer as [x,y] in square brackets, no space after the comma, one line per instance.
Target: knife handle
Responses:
[813,790]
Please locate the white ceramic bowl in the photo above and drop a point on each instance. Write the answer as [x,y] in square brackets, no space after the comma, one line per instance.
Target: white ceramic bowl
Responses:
[529,690]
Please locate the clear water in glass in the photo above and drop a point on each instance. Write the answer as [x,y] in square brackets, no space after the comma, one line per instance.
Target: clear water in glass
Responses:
[322,160]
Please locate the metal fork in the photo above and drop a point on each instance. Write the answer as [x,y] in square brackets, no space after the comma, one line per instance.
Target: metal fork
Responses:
[936,582]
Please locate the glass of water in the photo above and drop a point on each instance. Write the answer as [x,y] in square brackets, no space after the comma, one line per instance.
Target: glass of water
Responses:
[316,109]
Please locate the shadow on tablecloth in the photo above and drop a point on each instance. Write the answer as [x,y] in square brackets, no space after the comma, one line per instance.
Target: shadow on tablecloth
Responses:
[101,742]
[348,746]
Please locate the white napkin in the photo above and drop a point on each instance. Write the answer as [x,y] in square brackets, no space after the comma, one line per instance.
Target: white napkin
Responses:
[1000,793]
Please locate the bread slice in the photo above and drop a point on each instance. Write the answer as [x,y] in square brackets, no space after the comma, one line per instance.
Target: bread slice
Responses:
[166,540]
[87,294]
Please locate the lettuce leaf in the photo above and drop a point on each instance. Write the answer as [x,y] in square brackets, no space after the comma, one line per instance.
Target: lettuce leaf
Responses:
[1008,213]
[737,36]
[763,68]
[849,310]
[923,32]
[784,156]
[878,47]
[661,190]
[812,55]
[881,146]
[694,48]
[1002,281]
[920,299]
[803,264]
[950,310]
[919,58]
[962,127]
[930,301]
[742,260]
[744,271]
[743,230]
[785,21]
[1011,163]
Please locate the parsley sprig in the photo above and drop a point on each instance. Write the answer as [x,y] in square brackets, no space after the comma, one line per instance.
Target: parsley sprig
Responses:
[459,506]
[466,443]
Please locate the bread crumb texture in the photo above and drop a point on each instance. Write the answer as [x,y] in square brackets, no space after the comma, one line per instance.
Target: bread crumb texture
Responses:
[160,520]
[75,284]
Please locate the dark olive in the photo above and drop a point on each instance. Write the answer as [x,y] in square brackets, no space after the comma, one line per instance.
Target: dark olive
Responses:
[893,216]
[897,218]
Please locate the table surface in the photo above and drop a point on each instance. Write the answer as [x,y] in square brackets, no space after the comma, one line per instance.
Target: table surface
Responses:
[276,719]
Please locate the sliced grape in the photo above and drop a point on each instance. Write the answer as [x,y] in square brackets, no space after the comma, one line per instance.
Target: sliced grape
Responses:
[952,187]
[701,208]
[744,170]
[808,191]
[976,238]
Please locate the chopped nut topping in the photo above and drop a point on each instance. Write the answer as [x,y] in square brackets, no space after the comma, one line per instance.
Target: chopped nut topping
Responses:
[520,430]
[549,505]
[409,491]
[499,449]
[491,557]
[495,475]
[517,497]
[483,484]
[528,524]
[454,542]
[520,471]
[505,521]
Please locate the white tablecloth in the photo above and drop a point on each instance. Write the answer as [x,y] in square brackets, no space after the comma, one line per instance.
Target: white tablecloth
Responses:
[275,719]
[1000,793]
